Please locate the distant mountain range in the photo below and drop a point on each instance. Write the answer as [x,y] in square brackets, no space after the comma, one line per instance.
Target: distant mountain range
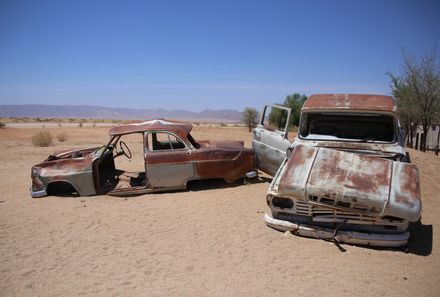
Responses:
[99,112]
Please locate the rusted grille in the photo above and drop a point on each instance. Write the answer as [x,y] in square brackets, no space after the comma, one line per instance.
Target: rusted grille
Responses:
[343,204]
[324,214]
[307,209]
[327,214]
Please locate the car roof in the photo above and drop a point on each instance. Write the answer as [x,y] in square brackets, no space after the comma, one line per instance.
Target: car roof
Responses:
[365,102]
[179,128]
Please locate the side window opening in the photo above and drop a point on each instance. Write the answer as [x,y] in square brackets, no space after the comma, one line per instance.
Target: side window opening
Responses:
[160,141]
[193,141]
[275,118]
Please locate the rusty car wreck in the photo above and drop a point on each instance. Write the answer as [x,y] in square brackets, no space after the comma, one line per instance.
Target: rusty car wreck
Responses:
[171,158]
[346,177]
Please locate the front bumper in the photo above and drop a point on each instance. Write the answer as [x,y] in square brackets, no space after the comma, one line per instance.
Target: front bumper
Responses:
[38,194]
[340,236]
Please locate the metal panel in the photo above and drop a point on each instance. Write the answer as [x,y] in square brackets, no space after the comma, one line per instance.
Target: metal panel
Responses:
[270,146]
[405,199]
[350,102]
[343,179]
[77,171]
[169,175]
[295,172]
[269,158]
[341,236]
[218,162]
[179,128]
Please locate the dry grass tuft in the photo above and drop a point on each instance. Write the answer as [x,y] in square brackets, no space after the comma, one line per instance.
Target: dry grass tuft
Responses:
[62,136]
[42,138]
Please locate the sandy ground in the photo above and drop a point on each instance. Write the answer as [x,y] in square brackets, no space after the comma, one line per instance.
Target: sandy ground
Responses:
[208,241]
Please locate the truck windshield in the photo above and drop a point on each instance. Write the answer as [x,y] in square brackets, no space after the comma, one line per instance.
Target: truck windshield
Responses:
[348,126]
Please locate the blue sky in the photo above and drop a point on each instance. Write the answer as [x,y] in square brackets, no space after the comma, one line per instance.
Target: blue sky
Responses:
[195,55]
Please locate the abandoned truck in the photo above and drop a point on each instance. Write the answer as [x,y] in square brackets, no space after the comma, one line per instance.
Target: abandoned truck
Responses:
[346,177]
[171,158]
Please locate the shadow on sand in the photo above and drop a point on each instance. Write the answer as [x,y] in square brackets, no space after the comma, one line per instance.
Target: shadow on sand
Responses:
[420,242]
[211,184]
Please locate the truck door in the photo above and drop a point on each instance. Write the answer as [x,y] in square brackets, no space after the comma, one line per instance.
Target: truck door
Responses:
[270,140]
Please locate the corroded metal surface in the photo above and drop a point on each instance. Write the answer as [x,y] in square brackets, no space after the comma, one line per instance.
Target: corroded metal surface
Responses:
[350,179]
[73,167]
[350,102]
[181,129]
[228,160]
[295,172]
[230,165]
[92,171]
[330,184]
[405,199]
[270,143]
[351,182]
[373,148]
[340,236]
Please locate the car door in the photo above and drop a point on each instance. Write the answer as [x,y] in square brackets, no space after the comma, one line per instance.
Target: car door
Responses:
[168,161]
[270,141]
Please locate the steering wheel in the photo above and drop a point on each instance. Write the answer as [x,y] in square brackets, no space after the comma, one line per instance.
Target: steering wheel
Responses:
[125,149]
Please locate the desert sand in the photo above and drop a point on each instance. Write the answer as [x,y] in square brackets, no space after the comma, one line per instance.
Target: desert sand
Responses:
[208,241]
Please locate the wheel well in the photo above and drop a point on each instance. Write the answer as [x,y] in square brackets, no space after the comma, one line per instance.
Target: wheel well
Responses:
[61,188]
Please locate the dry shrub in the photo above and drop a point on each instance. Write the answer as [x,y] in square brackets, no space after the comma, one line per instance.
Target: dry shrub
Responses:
[42,138]
[2,125]
[81,124]
[62,136]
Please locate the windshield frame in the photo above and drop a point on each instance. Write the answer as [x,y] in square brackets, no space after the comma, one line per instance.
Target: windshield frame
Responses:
[348,113]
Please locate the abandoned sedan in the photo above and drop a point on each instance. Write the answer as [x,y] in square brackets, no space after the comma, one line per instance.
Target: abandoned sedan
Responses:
[169,157]
[346,177]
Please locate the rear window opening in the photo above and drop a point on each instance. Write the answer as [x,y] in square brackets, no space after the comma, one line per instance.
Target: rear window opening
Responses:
[359,127]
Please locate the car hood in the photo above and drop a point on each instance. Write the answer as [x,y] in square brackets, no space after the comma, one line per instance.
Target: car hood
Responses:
[350,181]
[72,153]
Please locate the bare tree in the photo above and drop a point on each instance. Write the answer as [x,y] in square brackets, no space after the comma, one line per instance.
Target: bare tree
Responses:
[417,91]
[408,115]
[250,116]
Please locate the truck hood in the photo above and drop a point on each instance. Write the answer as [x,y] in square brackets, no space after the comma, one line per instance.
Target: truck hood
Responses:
[351,182]
[368,147]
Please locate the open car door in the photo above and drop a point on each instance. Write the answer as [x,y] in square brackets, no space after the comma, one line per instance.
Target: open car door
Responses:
[270,141]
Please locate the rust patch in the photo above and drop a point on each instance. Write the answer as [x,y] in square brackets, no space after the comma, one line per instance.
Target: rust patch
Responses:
[409,191]
[178,128]
[229,165]
[298,157]
[331,167]
[405,201]
[362,182]
[410,185]
[167,157]
[351,102]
